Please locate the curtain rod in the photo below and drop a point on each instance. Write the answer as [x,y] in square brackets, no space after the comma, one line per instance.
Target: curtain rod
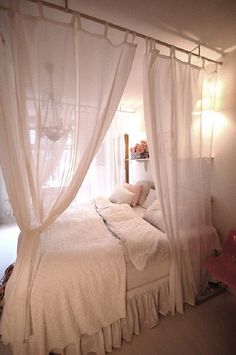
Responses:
[66,9]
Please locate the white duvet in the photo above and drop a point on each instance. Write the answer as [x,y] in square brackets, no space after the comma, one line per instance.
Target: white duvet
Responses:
[80,285]
[140,238]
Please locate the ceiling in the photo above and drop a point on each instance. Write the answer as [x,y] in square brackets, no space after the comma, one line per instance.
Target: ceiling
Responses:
[209,22]
[183,23]
[186,23]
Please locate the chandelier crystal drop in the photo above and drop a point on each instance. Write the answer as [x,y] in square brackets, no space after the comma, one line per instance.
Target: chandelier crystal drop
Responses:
[54,130]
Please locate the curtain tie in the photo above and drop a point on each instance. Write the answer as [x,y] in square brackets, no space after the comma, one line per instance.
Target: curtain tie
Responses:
[32,233]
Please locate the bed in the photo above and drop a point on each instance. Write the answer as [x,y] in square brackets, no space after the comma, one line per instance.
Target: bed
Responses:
[76,253]
[103,276]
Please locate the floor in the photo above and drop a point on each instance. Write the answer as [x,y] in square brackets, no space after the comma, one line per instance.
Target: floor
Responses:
[8,245]
[207,329]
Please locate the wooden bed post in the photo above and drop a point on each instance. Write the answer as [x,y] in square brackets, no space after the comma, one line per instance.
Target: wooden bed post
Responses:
[126,138]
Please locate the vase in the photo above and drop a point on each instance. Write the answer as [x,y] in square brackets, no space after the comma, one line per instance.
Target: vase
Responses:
[137,155]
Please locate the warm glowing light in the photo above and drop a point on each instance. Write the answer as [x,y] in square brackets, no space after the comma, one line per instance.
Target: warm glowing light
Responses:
[220,123]
[206,104]
[212,122]
[208,123]
[210,87]
[208,119]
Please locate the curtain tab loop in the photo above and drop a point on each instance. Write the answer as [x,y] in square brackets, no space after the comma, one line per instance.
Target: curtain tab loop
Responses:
[203,62]
[73,17]
[126,36]
[77,21]
[133,37]
[106,29]
[172,52]
[156,47]
[146,44]
[150,44]
[189,58]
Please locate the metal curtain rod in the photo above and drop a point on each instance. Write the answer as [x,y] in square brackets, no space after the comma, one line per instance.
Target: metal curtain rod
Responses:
[120,28]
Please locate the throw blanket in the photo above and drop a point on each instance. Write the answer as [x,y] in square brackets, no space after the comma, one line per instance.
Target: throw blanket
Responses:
[140,238]
[80,285]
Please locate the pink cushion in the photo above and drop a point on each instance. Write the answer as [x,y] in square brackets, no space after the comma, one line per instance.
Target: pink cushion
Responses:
[137,190]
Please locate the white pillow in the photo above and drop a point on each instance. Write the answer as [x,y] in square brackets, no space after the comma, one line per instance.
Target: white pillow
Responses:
[154,216]
[121,195]
[151,197]
[155,206]
[147,185]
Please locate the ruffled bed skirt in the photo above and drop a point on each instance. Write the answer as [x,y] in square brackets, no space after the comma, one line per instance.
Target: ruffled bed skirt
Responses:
[144,306]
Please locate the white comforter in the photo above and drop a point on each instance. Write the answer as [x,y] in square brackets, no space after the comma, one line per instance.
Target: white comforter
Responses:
[140,238]
[80,285]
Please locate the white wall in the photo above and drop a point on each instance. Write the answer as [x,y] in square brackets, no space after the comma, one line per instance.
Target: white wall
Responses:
[224,147]
[8,246]
[139,170]
[6,214]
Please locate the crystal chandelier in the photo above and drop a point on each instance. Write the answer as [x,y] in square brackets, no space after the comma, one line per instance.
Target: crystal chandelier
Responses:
[54,130]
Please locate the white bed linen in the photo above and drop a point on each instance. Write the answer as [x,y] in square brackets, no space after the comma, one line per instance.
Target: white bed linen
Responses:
[80,285]
[144,306]
[140,238]
[139,211]
[154,270]
[147,290]
[147,296]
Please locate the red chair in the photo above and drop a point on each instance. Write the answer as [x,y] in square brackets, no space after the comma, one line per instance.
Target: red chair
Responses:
[223,266]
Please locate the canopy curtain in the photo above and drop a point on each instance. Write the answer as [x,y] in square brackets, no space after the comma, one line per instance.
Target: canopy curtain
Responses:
[60,87]
[107,165]
[179,101]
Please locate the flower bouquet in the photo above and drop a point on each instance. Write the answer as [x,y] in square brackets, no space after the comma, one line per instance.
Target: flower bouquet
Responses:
[140,151]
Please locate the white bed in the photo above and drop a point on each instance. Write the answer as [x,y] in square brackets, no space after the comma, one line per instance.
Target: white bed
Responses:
[157,267]
[87,294]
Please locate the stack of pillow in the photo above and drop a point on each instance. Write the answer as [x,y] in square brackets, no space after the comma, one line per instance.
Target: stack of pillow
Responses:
[144,194]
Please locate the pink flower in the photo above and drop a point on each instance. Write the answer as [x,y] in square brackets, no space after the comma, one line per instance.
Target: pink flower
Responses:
[132,150]
[140,148]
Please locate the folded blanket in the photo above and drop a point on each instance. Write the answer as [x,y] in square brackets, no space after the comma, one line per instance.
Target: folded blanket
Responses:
[140,238]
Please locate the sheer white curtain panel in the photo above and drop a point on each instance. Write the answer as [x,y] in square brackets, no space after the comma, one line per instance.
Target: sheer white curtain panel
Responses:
[179,100]
[107,168]
[60,87]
